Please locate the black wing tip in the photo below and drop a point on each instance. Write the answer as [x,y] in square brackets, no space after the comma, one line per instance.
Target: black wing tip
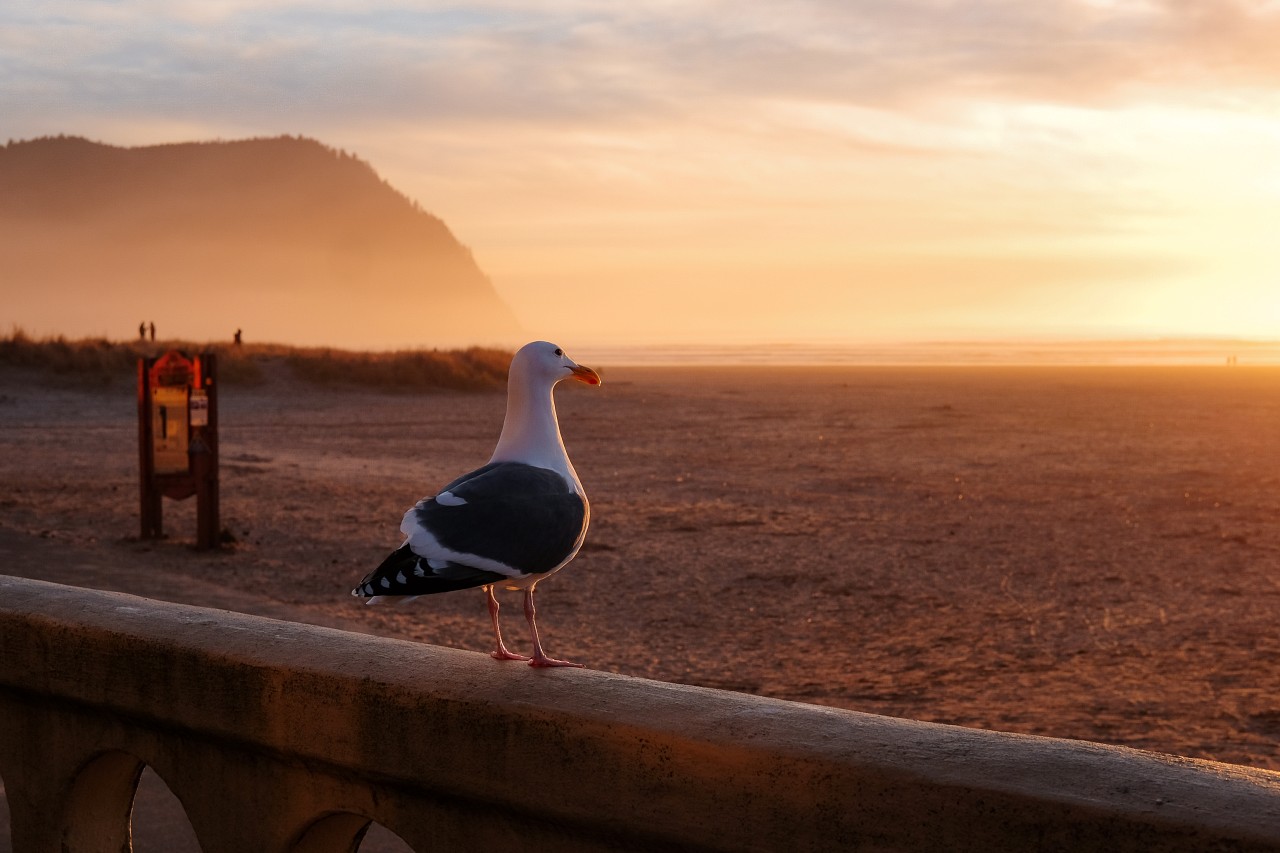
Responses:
[405,573]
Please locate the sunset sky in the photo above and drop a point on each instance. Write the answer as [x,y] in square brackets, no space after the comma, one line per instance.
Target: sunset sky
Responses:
[716,170]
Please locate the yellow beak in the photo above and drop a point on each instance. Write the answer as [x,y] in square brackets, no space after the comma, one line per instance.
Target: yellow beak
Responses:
[585,374]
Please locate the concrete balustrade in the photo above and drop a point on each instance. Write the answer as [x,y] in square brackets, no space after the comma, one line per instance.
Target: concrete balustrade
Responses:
[278,736]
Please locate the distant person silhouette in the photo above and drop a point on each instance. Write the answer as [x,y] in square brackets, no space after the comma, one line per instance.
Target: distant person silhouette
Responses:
[237,337]
[153,331]
[142,331]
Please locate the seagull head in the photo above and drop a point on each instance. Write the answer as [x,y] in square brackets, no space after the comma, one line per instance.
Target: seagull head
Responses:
[544,362]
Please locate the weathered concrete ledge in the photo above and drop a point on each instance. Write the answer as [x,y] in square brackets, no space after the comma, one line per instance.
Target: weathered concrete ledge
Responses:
[278,736]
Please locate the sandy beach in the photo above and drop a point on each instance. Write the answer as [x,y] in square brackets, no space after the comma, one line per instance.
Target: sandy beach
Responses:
[1077,552]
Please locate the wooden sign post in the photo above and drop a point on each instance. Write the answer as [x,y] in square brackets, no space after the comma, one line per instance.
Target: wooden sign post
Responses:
[178,440]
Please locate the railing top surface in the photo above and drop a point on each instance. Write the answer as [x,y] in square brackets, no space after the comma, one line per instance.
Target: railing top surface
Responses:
[376,706]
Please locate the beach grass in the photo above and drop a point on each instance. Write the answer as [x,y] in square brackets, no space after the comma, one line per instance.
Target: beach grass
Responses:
[100,362]
[405,370]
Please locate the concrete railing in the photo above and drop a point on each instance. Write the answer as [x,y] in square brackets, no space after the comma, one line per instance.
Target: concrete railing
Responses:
[277,736]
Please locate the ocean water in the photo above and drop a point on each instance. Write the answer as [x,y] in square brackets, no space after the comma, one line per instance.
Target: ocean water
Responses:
[1156,352]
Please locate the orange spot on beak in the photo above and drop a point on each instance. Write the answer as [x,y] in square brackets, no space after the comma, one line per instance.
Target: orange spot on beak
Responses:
[585,374]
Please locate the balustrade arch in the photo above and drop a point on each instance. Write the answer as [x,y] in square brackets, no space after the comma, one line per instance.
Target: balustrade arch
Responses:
[6,837]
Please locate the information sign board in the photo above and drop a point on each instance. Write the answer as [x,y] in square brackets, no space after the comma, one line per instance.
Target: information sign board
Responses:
[178,440]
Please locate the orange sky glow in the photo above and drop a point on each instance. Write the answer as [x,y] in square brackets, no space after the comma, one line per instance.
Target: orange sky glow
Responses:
[715,171]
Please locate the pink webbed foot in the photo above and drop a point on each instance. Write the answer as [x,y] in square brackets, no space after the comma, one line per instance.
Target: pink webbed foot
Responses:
[541,660]
[503,653]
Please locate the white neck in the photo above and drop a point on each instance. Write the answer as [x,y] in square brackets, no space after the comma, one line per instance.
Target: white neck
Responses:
[531,431]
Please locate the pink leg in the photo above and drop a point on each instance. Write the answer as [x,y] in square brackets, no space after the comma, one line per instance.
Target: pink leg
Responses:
[539,656]
[500,651]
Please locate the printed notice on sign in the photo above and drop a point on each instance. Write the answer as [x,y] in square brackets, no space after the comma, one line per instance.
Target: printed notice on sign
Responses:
[169,429]
[199,404]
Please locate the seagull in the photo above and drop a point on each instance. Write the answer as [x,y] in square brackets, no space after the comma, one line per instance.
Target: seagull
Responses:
[513,522]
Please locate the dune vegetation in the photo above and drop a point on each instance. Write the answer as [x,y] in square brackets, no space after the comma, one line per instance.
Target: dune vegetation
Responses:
[98,361]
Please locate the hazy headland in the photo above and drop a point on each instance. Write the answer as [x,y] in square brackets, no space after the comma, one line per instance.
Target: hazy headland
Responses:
[285,238]
[1086,552]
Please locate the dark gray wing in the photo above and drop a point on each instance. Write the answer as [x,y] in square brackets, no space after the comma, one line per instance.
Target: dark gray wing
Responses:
[522,516]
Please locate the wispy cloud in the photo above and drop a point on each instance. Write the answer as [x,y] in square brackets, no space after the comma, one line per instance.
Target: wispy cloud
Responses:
[592,62]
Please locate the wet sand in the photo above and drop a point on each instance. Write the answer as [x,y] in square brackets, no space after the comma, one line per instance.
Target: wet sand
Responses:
[1077,552]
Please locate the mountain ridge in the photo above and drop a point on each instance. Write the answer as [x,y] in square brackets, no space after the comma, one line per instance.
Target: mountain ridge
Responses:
[284,235]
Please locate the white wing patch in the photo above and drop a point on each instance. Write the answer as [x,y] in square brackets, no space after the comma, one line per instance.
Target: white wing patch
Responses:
[450,499]
[424,543]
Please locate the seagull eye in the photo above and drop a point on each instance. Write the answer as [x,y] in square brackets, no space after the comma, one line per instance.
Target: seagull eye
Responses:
[559,351]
